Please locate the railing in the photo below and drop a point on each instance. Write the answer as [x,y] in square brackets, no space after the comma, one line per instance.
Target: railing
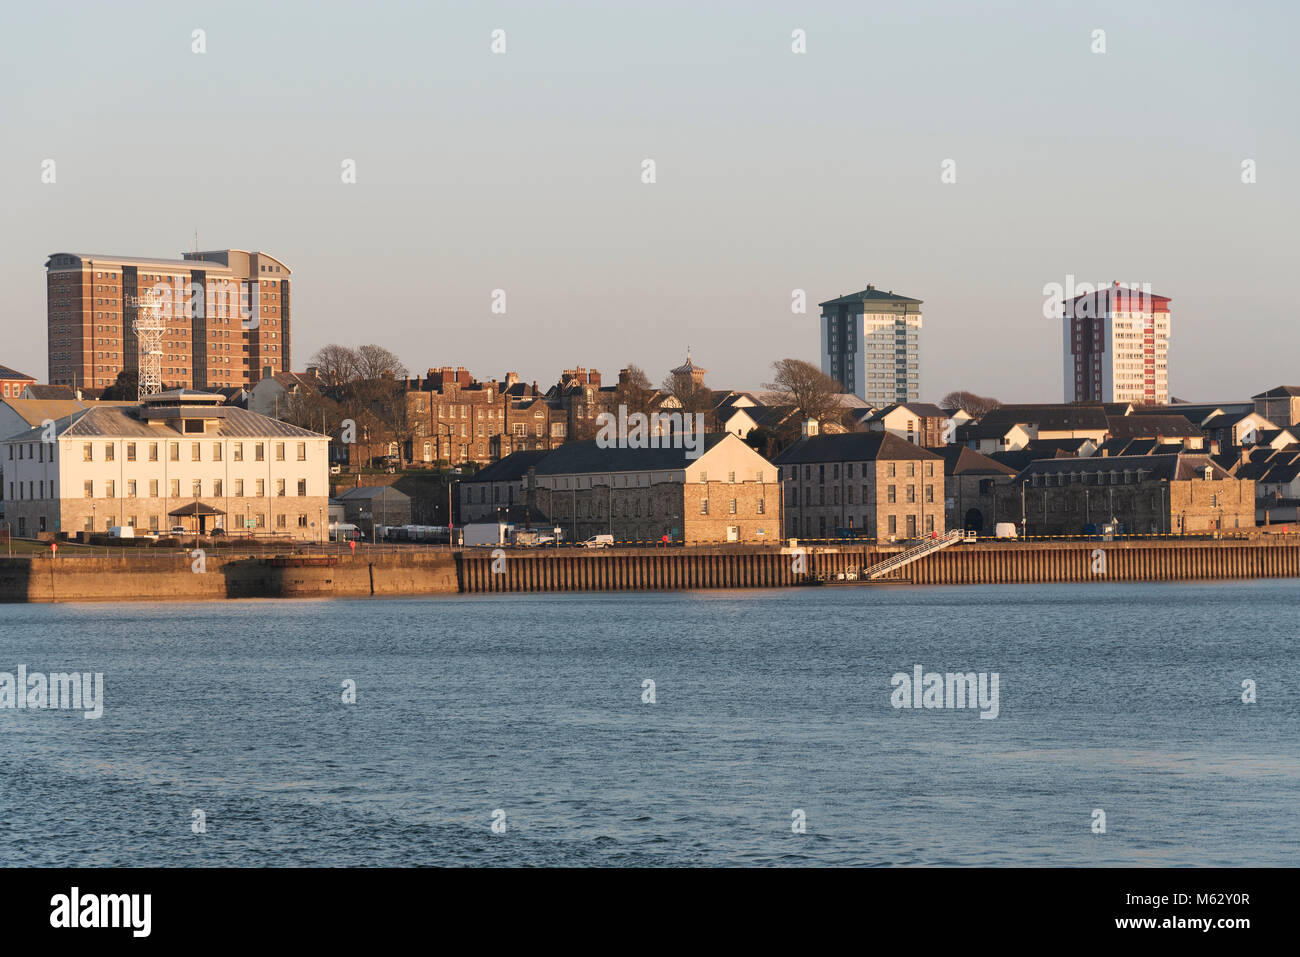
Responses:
[912,554]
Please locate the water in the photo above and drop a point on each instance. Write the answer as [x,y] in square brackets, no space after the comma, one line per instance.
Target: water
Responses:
[1125,698]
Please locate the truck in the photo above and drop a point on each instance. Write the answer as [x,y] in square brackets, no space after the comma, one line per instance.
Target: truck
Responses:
[484,533]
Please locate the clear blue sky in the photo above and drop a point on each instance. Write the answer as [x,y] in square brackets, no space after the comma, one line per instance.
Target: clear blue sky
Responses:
[775,171]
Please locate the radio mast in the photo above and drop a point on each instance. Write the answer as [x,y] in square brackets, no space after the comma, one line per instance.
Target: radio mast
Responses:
[149,327]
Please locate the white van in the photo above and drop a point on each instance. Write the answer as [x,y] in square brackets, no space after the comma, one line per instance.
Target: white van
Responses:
[122,531]
[599,541]
[1005,530]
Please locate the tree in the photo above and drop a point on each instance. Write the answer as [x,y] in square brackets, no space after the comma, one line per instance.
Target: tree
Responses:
[969,402]
[337,364]
[692,394]
[635,391]
[126,388]
[801,384]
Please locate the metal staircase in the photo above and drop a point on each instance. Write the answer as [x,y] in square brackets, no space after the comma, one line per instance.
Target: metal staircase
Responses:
[904,558]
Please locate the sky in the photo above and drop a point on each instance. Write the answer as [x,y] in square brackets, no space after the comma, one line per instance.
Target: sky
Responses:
[774,171]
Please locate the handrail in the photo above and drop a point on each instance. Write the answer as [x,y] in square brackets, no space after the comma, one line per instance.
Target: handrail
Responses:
[912,554]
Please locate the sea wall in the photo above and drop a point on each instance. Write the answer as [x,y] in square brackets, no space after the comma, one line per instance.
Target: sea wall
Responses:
[418,571]
[177,577]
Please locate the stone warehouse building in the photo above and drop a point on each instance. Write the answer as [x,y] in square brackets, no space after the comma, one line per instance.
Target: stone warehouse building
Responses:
[870,484]
[729,493]
[1176,493]
[180,458]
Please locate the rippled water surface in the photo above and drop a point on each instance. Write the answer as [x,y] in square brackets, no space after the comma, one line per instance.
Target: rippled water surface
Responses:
[1125,698]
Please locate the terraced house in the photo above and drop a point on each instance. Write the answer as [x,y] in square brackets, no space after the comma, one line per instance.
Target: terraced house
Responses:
[180,458]
[867,484]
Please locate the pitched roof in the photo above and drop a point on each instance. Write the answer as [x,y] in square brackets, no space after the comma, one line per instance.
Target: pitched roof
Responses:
[1171,466]
[922,410]
[8,373]
[36,411]
[1279,392]
[871,293]
[509,469]
[1152,426]
[581,457]
[960,460]
[851,447]
[124,421]
[368,492]
[50,391]
[1050,417]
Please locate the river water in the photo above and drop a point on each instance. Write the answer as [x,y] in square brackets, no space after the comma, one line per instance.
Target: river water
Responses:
[773,712]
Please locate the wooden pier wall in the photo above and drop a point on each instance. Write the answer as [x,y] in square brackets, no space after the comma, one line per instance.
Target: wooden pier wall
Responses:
[529,570]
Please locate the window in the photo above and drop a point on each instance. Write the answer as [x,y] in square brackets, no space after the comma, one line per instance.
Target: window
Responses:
[175,488]
[239,451]
[261,488]
[302,450]
[259,452]
[704,505]
[89,489]
[174,451]
[88,452]
[109,452]
[732,507]
[239,488]
[302,487]
[891,493]
[929,493]
[279,451]
[216,451]
[153,488]
[153,451]
[194,452]
[130,488]
[216,488]
[893,524]
[196,488]
[130,451]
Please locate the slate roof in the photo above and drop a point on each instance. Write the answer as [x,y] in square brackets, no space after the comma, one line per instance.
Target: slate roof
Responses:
[123,421]
[922,410]
[1279,392]
[1175,466]
[369,492]
[1051,418]
[583,457]
[1152,426]
[509,469]
[51,391]
[8,373]
[851,447]
[960,460]
[870,293]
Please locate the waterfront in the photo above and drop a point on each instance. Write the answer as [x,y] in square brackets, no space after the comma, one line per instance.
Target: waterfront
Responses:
[1124,697]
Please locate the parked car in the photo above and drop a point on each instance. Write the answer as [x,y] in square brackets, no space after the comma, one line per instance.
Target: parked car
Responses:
[179,530]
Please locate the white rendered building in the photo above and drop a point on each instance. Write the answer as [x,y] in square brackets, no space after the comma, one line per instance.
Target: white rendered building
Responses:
[181,458]
[1116,346]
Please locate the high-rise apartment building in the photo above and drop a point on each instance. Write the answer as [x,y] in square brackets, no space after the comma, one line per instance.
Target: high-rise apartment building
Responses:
[227,313]
[871,345]
[1117,346]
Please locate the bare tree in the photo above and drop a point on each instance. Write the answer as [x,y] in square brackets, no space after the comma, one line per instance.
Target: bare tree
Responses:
[691,394]
[635,391]
[337,364]
[801,384]
[376,362]
[969,402]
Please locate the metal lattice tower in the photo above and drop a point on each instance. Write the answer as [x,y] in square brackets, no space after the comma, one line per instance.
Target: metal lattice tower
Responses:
[149,327]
